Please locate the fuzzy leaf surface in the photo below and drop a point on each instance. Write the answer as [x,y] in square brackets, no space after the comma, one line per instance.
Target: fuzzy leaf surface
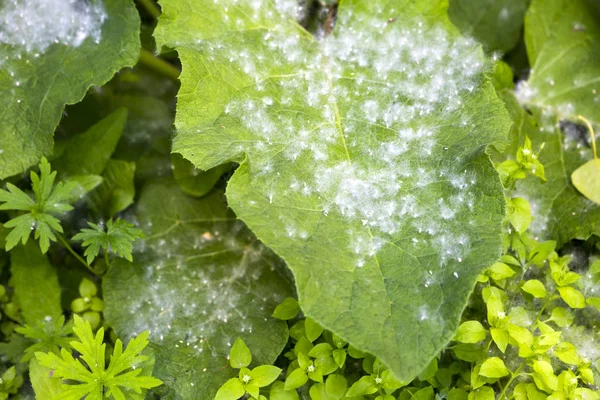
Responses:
[198,282]
[361,157]
[563,47]
[497,24]
[37,81]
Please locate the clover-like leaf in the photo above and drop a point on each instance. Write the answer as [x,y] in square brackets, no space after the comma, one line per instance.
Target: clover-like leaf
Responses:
[361,157]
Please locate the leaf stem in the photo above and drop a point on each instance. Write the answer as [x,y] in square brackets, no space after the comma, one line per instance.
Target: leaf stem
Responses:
[512,378]
[592,135]
[151,7]
[67,246]
[158,64]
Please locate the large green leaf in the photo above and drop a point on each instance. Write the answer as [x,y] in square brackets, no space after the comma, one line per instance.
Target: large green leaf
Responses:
[361,157]
[36,284]
[38,78]
[497,24]
[198,282]
[563,46]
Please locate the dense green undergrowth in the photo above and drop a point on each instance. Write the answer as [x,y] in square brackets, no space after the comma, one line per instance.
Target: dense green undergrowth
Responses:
[299,200]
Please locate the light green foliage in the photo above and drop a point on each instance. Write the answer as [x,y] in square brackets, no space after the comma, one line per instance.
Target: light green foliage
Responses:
[497,24]
[89,375]
[288,309]
[248,381]
[44,385]
[37,83]
[88,306]
[558,210]
[36,285]
[47,335]
[318,125]
[199,281]
[41,212]
[116,237]
[587,180]
[10,383]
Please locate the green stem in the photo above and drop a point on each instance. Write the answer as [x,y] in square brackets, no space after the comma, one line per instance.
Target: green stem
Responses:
[512,378]
[106,259]
[159,65]
[151,7]
[67,246]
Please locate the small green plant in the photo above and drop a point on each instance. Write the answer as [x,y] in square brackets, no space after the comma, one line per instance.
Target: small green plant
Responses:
[249,381]
[117,238]
[40,213]
[88,306]
[89,374]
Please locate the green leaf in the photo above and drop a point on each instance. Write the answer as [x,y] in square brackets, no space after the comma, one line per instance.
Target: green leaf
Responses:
[335,386]
[341,169]
[519,213]
[483,393]
[595,271]
[117,238]
[89,152]
[543,376]
[594,302]
[572,296]
[40,79]
[563,47]
[122,372]
[562,317]
[535,288]
[50,201]
[470,332]
[497,24]
[48,335]
[288,309]
[524,339]
[429,371]
[199,281]
[499,271]
[493,367]
[44,384]
[363,386]
[37,289]
[193,181]
[233,389]
[567,353]
[313,329]
[587,180]
[239,355]
[278,392]
[468,352]
[117,190]
[264,375]
[296,379]
[457,394]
